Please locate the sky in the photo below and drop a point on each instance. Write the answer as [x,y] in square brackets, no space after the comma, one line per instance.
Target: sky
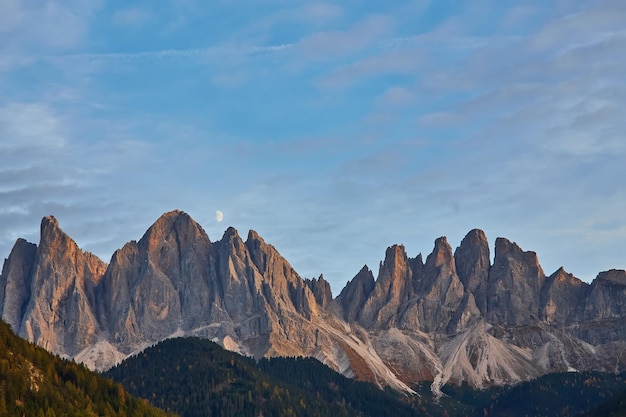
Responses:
[333,129]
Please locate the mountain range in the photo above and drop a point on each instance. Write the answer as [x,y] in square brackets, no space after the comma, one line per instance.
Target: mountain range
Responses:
[453,317]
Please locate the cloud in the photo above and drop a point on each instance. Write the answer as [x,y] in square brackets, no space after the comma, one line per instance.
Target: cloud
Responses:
[396,96]
[321,12]
[28,124]
[326,45]
[379,64]
[131,16]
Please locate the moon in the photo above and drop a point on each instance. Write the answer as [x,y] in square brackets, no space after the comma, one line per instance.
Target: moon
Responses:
[219,216]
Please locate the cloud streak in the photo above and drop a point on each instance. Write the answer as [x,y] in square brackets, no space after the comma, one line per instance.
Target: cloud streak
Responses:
[334,131]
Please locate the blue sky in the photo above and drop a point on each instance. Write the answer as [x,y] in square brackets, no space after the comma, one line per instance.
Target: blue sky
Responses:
[334,129]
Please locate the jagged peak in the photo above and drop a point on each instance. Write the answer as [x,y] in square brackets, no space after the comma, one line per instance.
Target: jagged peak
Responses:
[504,245]
[364,276]
[172,216]
[254,235]
[51,231]
[442,253]
[177,222]
[167,220]
[255,241]
[611,277]
[395,252]
[230,233]
[23,242]
[49,221]
[476,235]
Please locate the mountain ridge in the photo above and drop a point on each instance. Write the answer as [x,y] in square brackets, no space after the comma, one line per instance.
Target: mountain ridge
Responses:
[454,317]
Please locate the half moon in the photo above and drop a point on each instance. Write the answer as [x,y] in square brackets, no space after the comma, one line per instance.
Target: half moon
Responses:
[219,216]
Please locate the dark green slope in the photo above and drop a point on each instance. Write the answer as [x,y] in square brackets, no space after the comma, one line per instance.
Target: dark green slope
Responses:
[616,407]
[35,383]
[195,377]
[564,394]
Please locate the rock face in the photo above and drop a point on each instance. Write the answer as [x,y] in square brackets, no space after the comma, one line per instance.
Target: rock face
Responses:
[514,285]
[453,318]
[59,313]
[16,282]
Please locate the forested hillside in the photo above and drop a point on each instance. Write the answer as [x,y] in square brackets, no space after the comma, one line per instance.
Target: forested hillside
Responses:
[35,383]
[195,377]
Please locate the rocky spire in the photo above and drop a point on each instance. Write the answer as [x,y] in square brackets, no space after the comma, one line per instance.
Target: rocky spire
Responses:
[321,290]
[561,297]
[514,285]
[606,296]
[444,303]
[15,282]
[60,314]
[472,265]
[355,293]
[393,287]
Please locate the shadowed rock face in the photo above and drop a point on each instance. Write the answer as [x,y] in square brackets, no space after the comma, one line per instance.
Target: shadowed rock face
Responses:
[514,285]
[16,282]
[453,317]
[472,266]
[561,298]
[355,294]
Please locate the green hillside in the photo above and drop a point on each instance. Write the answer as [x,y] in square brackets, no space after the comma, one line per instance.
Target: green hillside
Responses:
[35,383]
[195,377]
[554,395]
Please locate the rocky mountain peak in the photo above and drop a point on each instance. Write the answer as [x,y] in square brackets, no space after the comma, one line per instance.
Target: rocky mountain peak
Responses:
[514,285]
[561,297]
[60,312]
[612,277]
[173,227]
[454,317]
[394,254]
[321,290]
[472,260]
[441,254]
[49,223]
[15,282]
[355,293]
[51,236]
[504,248]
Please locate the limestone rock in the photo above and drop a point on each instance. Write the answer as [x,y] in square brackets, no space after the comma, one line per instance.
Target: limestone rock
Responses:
[321,290]
[472,260]
[514,285]
[445,305]
[561,298]
[15,282]
[392,288]
[607,295]
[452,318]
[60,315]
[355,294]
[158,285]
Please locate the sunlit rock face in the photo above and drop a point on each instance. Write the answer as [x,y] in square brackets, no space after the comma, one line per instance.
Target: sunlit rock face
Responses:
[49,291]
[454,317]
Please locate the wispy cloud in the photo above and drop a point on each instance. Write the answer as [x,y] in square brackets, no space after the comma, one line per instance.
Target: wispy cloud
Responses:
[131,16]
